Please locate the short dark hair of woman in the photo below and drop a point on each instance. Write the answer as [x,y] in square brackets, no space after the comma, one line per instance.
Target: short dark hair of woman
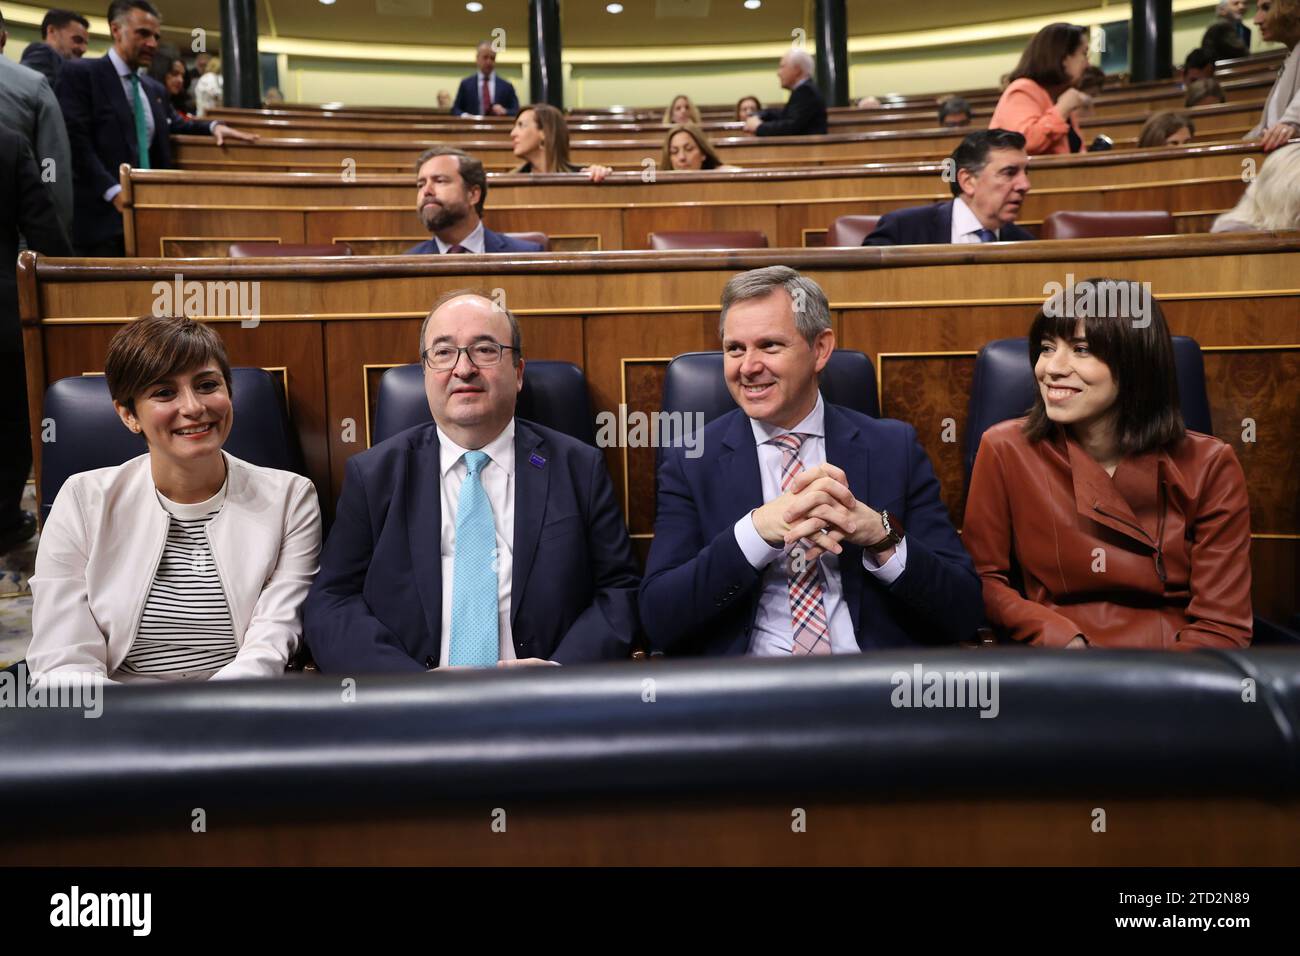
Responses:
[758,106]
[1139,352]
[1042,59]
[154,348]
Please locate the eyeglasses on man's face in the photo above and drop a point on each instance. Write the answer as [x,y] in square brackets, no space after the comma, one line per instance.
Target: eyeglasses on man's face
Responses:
[441,358]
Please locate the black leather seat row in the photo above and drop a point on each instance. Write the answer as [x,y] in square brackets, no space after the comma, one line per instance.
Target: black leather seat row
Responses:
[1105,723]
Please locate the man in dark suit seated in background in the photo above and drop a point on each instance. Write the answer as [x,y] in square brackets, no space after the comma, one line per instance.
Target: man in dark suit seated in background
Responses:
[988,173]
[479,538]
[116,116]
[770,542]
[451,187]
[954,112]
[804,113]
[64,36]
[485,93]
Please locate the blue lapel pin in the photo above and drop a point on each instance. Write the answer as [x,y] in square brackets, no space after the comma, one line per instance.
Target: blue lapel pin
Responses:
[536,460]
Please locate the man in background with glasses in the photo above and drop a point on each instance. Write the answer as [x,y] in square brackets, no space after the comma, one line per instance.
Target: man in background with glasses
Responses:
[478,539]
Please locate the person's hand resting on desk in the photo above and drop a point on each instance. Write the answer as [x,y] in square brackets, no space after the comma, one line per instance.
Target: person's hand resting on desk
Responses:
[222,132]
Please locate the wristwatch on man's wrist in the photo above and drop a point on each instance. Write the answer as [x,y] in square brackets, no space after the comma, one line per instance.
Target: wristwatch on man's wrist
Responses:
[893,533]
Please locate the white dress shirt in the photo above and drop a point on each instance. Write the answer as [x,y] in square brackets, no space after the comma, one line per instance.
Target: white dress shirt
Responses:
[773,633]
[498,478]
[473,242]
[965,227]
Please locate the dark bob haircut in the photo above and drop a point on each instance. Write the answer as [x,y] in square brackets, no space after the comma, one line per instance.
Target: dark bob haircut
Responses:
[153,348]
[1141,358]
[972,153]
[1042,59]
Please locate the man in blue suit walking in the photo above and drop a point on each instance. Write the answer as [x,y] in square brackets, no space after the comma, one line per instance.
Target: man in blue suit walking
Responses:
[803,528]
[485,93]
[478,539]
[116,115]
[451,188]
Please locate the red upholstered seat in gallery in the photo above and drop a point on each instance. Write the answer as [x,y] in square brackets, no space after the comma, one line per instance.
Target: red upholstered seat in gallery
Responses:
[263,250]
[708,240]
[1096,225]
[850,230]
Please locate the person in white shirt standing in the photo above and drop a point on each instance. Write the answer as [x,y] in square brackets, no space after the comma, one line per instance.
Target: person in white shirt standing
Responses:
[184,563]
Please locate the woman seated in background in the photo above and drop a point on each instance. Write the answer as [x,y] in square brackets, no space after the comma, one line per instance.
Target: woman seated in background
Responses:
[207,88]
[540,138]
[1041,101]
[747,107]
[184,563]
[1204,93]
[1092,81]
[682,110]
[1099,520]
[687,148]
[177,82]
[1272,201]
[1279,22]
[1166,128]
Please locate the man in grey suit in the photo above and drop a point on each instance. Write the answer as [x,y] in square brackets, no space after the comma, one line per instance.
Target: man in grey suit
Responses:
[29,108]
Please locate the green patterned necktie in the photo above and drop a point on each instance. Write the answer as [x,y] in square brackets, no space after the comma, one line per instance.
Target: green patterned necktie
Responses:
[141,127]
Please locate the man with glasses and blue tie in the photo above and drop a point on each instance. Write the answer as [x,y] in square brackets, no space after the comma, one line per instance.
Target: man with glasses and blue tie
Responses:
[989,179]
[478,539]
[116,115]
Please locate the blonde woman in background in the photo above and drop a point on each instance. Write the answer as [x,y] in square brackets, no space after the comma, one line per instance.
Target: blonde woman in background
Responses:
[682,110]
[207,89]
[1272,201]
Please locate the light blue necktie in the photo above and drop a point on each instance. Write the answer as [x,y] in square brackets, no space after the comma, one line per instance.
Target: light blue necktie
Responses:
[475,641]
[987,235]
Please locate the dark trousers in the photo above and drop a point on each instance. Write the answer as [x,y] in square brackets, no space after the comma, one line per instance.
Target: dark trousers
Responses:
[15,438]
[114,248]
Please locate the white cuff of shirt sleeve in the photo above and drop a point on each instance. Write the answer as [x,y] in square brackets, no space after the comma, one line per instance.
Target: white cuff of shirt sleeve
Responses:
[213,127]
[757,552]
[112,191]
[888,572]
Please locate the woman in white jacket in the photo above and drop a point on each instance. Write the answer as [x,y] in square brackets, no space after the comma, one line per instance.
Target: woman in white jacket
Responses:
[184,563]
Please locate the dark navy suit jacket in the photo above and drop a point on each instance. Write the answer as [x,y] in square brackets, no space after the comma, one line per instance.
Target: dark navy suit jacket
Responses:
[101,129]
[376,605]
[700,594]
[467,96]
[44,59]
[492,242]
[804,114]
[927,225]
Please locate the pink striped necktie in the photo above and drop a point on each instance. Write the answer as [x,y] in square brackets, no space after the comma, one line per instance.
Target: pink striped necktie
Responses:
[809,624]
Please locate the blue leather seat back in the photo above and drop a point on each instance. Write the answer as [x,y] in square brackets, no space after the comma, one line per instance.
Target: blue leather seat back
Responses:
[88,434]
[554,394]
[1003,387]
[694,383]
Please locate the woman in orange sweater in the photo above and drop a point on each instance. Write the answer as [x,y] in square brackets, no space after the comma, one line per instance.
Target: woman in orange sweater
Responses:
[1041,102]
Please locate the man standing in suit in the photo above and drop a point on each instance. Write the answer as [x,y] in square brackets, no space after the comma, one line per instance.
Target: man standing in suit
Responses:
[116,115]
[64,36]
[25,208]
[786,536]
[804,113]
[988,176]
[1228,37]
[478,539]
[485,93]
[451,187]
[29,108]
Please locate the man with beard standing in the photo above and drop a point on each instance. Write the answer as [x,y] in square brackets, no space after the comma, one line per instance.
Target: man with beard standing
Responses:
[450,189]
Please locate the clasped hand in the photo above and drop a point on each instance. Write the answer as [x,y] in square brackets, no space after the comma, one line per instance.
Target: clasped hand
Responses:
[819,499]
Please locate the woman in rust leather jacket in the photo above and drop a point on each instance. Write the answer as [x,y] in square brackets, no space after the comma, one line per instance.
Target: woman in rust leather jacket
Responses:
[1099,520]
